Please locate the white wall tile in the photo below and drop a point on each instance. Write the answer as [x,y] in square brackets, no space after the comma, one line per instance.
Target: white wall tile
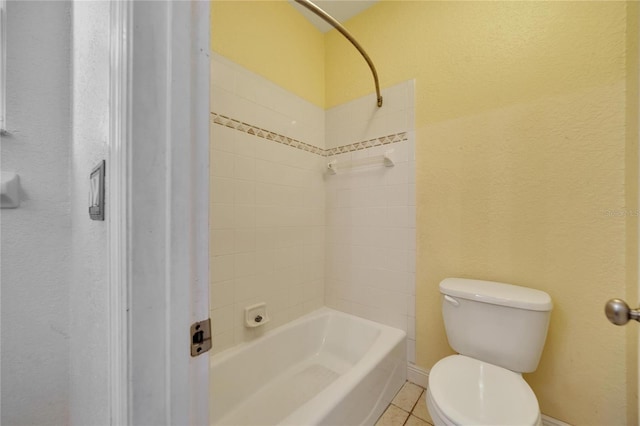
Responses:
[245,144]
[369,215]
[222,241]
[222,294]
[222,190]
[222,268]
[411,351]
[245,240]
[264,262]
[266,238]
[222,138]
[222,341]
[411,328]
[412,240]
[244,264]
[411,217]
[412,306]
[398,216]
[396,195]
[411,281]
[270,245]
[244,191]
[293,226]
[411,264]
[222,216]
[244,167]
[222,320]
[395,259]
[395,98]
[247,288]
[221,99]
[222,74]
[412,194]
[222,163]
[244,216]
[411,172]
[394,319]
[249,86]
[397,175]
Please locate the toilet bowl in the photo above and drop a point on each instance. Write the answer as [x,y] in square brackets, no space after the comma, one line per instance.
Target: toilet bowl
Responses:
[465,391]
[499,332]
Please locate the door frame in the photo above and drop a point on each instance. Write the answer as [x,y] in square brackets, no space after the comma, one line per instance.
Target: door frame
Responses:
[158,209]
[117,213]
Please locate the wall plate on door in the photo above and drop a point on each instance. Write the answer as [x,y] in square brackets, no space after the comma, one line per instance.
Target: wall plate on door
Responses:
[96,192]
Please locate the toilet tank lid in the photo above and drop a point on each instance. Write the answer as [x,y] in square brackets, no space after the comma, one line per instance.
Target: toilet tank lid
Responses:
[497,293]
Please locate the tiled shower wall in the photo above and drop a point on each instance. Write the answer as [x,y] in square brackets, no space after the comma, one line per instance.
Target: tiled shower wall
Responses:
[370,213]
[267,211]
[269,181]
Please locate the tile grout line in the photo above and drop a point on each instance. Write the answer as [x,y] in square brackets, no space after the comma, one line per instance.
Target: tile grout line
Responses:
[408,417]
[415,405]
[424,390]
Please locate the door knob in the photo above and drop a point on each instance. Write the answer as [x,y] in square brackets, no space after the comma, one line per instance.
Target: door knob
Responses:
[619,312]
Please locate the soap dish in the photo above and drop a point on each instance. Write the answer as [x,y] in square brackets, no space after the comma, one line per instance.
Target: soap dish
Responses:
[256,315]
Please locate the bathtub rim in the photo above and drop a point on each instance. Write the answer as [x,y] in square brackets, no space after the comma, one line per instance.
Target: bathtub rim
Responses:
[224,355]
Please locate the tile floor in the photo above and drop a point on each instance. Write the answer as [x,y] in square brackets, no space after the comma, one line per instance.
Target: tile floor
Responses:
[408,408]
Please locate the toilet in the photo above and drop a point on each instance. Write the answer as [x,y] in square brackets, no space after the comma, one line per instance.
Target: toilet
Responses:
[498,331]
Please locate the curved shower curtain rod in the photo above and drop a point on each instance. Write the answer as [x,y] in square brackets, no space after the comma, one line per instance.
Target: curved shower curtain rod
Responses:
[334,23]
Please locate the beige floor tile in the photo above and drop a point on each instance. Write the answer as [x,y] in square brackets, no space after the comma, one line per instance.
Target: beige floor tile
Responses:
[414,421]
[393,416]
[407,396]
[420,409]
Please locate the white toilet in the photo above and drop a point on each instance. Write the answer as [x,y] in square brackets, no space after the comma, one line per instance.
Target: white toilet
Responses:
[499,331]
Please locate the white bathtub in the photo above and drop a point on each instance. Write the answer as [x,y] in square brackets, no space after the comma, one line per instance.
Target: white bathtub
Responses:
[326,368]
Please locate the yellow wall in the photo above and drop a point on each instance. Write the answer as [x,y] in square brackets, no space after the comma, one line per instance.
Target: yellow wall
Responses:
[523,146]
[271,39]
[631,168]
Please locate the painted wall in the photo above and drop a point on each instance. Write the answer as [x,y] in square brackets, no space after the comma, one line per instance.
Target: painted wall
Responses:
[89,296]
[632,189]
[36,237]
[525,165]
[273,40]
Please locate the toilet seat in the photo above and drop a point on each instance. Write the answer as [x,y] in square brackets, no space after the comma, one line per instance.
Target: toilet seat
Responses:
[466,391]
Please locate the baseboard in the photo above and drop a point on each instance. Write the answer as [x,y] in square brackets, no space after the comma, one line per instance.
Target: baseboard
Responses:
[420,377]
[417,375]
[550,421]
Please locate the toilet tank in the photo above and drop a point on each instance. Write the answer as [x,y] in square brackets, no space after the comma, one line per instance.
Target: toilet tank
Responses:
[501,324]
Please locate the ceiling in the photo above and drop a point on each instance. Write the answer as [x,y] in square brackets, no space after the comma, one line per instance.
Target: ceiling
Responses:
[341,10]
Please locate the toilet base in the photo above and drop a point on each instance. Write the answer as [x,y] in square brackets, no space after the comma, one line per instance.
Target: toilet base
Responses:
[438,418]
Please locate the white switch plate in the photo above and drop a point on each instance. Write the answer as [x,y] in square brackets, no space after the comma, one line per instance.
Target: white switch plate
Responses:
[96,192]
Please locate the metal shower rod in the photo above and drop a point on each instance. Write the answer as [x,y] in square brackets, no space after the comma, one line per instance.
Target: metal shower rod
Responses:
[338,26]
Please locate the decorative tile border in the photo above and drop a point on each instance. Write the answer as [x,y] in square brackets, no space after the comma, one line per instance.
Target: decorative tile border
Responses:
[265,134]
[357,146]
[232,123]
